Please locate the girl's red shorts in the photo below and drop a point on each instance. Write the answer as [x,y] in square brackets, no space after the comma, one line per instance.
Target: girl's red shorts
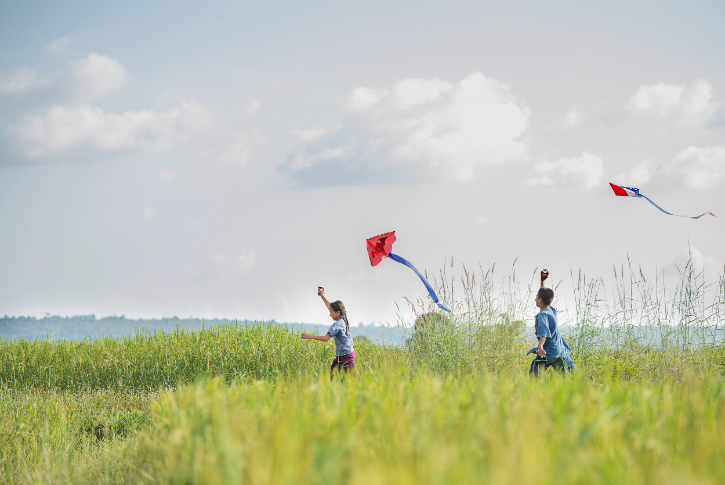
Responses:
[343,362]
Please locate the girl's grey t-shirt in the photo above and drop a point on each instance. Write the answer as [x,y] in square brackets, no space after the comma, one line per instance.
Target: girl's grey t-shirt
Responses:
[343,341]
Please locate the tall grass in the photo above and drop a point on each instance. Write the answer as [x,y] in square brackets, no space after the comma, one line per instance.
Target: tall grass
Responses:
[639,329]
[64,436]
[395,426]
[402,428]
[635,328]
[160,360]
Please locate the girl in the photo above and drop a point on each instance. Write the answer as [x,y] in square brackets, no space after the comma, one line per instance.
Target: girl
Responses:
[340,331]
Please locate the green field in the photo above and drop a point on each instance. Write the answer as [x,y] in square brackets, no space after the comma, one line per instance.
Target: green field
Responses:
[255,405]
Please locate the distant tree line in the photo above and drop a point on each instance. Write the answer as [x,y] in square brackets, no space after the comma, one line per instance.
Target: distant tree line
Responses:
[81,327]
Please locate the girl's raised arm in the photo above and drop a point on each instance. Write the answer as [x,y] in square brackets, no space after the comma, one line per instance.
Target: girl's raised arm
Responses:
[321,292]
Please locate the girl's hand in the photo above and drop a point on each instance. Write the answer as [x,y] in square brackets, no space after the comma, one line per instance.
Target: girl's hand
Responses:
[305,335]
[320,291]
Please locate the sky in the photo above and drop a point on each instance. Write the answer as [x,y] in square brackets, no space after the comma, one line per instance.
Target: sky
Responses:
[223,160]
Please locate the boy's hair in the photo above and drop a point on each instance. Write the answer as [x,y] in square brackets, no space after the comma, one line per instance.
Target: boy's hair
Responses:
[339,306]
[546,295]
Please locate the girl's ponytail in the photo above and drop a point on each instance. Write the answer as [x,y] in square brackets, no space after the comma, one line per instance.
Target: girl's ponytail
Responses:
[339,306]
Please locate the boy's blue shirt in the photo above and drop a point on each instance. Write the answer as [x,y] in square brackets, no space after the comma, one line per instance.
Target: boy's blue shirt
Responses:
[343,341]
[555,346]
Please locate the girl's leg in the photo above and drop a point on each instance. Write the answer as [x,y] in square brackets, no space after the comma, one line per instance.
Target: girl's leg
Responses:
[335,363]
[349,366]
[353,367]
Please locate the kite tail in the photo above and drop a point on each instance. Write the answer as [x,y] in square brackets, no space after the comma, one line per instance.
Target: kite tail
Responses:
[400,260]
[676,215]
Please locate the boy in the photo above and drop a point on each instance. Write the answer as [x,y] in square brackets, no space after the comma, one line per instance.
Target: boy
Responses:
[552,350]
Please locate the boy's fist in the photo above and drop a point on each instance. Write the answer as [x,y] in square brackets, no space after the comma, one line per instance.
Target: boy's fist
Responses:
[544,274]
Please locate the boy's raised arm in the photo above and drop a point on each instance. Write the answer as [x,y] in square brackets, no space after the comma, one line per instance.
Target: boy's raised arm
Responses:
[544,275]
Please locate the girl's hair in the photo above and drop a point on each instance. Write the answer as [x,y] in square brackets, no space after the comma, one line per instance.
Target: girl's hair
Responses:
[339,306]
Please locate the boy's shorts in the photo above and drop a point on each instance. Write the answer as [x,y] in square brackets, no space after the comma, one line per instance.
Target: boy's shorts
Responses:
[343,362]
[558,364]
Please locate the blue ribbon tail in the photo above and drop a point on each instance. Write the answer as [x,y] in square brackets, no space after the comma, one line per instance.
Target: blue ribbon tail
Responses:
[669,213]
[432,293]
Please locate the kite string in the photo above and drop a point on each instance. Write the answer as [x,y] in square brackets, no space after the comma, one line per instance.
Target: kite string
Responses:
[339,274]
[585,230]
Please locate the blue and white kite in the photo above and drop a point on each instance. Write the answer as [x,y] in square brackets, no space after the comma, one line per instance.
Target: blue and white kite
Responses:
[632,192]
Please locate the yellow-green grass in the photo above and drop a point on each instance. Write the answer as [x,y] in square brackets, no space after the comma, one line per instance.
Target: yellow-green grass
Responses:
[255,405]
[159,360]
[52,436]
[401,429]
[392,427]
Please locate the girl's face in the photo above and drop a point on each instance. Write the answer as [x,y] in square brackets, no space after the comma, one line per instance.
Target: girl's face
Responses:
[335,315]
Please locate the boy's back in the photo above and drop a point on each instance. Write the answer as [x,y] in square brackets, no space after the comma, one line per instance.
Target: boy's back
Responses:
[547,323]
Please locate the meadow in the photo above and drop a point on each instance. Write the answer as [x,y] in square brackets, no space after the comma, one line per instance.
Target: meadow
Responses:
[254,404]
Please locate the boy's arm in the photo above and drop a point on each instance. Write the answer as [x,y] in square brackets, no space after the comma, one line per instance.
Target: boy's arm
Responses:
[542,333]
[543,277]
[540,351]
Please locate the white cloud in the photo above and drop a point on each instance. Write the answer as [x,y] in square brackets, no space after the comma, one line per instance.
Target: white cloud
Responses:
[240,149]
[96,75]
[364,98]
[641,173]
[414,92]
[71,127]
[165,174]
[698,167]
[83,80]
[693,167]
[308,134]
[20,81]
[697,260]
[585,170]
[253,105]
[415,128]
[57,46]
[574,117]
[302,160]
[86,130]
[246,260]
[671,100]
[444,127]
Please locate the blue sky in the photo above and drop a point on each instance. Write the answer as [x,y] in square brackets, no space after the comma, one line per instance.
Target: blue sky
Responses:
[224,160]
